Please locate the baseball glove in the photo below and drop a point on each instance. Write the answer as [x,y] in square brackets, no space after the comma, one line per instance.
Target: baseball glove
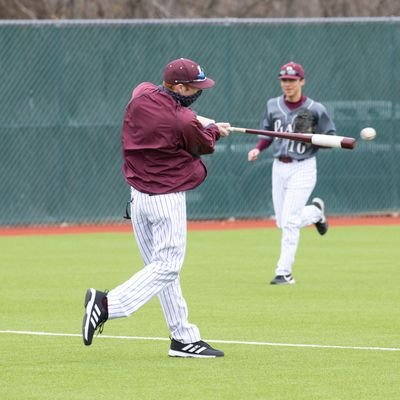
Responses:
[305,122]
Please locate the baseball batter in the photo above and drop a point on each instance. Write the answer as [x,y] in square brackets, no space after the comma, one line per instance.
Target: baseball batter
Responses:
[294,170]
[162,141]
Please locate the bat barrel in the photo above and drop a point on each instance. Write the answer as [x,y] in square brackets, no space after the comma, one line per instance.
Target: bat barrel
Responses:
[333,141]
[348,143]
[343,142]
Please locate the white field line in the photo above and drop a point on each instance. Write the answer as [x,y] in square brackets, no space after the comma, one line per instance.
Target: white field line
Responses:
[239,342]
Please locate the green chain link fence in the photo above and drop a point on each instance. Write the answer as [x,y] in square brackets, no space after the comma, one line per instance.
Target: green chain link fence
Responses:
[65,85]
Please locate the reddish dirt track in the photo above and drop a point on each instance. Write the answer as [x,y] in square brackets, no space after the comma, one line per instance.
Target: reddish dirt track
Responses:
[192,225]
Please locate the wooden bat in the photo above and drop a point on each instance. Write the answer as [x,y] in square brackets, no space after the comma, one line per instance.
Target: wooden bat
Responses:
[342,142]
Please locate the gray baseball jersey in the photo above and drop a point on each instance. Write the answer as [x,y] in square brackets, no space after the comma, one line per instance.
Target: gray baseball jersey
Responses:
[279,117]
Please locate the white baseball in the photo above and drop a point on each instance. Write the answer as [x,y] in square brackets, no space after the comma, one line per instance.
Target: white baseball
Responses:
[368,133]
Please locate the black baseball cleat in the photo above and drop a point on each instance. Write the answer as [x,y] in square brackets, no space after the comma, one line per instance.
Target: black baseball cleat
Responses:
[96,314]
[283,280]
[322,224]
[198,349]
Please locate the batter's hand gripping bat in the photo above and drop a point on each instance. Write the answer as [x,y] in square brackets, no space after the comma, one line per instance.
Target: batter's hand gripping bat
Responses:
[342,142]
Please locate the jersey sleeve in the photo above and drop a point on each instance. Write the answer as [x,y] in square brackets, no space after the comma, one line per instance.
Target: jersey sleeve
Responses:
[265,124]
[325,122]
[195,138]
[263,143]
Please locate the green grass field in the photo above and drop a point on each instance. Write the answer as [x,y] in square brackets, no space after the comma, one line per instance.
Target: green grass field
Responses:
[347,294]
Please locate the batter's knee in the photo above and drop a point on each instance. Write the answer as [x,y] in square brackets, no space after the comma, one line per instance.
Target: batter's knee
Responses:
[170,269]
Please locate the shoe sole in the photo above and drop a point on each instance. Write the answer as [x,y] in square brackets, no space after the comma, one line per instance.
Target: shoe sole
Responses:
[283,283]
[322,230]
[176,353]
[89,301]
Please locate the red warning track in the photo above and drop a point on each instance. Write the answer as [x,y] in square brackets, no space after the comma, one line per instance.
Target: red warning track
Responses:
[192,225]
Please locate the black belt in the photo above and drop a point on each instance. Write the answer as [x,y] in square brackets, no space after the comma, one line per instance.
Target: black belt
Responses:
[288,160]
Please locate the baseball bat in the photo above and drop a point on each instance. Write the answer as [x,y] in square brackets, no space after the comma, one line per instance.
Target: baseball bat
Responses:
[342,142]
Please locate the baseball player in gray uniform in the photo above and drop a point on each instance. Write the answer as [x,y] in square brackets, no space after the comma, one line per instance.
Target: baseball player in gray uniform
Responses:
[294,170]
[162,141]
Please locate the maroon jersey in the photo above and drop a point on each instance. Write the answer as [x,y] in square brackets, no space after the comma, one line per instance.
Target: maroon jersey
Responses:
[162,143]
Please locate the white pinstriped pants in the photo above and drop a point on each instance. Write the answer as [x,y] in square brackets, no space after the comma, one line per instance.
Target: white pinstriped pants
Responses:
[160,226]
[292,185]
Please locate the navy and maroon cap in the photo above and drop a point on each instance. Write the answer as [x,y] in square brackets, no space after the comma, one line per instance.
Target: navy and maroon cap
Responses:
[187,72]
[291,70]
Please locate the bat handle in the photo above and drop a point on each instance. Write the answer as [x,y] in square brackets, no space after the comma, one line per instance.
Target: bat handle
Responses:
[236,129]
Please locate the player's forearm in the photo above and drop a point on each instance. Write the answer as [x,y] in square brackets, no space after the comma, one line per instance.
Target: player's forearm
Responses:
[201,141]
[263,144]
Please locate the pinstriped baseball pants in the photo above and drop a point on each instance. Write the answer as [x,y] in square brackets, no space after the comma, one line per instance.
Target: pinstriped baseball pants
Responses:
[160,227]
[292,185]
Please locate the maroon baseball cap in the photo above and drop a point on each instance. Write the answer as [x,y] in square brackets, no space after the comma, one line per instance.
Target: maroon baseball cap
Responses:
[186,71]
[291,70]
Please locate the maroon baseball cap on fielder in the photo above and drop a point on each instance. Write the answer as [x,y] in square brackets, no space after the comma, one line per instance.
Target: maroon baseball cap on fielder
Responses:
[188,72]
[291,70]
